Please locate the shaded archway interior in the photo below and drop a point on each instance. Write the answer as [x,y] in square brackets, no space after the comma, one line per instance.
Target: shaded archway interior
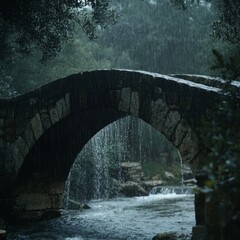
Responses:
[126,151]
[55,151]
[54,154]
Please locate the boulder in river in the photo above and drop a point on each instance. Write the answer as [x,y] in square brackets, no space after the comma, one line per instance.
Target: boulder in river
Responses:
[166,236]
[169,175]
[50,214]
[148,185]
[132,189]
[172,236]
[75,205]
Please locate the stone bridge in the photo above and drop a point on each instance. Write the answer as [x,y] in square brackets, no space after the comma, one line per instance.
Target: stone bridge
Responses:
[41,132]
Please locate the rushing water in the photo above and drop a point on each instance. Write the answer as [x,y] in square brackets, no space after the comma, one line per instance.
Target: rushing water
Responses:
[116,219]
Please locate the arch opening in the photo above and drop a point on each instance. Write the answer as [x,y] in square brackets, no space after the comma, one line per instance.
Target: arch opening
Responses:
[52,156]
[126,150]
[128,158]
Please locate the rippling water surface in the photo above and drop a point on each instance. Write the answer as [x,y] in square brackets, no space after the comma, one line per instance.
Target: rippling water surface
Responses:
[116,219]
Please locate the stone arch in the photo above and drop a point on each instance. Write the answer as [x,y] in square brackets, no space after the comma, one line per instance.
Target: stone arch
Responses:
[164,118]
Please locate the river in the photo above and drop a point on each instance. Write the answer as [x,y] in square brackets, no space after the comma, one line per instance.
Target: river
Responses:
[139,218]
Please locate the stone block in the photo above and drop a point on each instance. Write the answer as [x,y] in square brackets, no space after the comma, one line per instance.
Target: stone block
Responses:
[56,187]
[179,133]
[56,201]
[46,121]
[159,111]
[172,120]
[166,236]
[189,146]
[62,109]
[22,145]
[53,115]
[29,136]
[134,107]
[124,103]
[50,214]
[130,164]
[34,201]
[37,126]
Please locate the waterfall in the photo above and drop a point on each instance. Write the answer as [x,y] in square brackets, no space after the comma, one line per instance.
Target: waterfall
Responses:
[89,175]
[181,165]
[65,197]
[99,147]
[97,172]
[171,190]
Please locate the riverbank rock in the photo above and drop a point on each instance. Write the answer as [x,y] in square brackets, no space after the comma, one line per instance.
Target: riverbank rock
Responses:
[148,185]
[132,189]
[75,205]
[115,188]
[132,171]
[187,175]
[50,214]
[85,206]
[190,182]
[169,175]
[166,236]
[172,236]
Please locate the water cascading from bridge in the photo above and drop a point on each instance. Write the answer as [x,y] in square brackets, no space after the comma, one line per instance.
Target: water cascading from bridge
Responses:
[89,178]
